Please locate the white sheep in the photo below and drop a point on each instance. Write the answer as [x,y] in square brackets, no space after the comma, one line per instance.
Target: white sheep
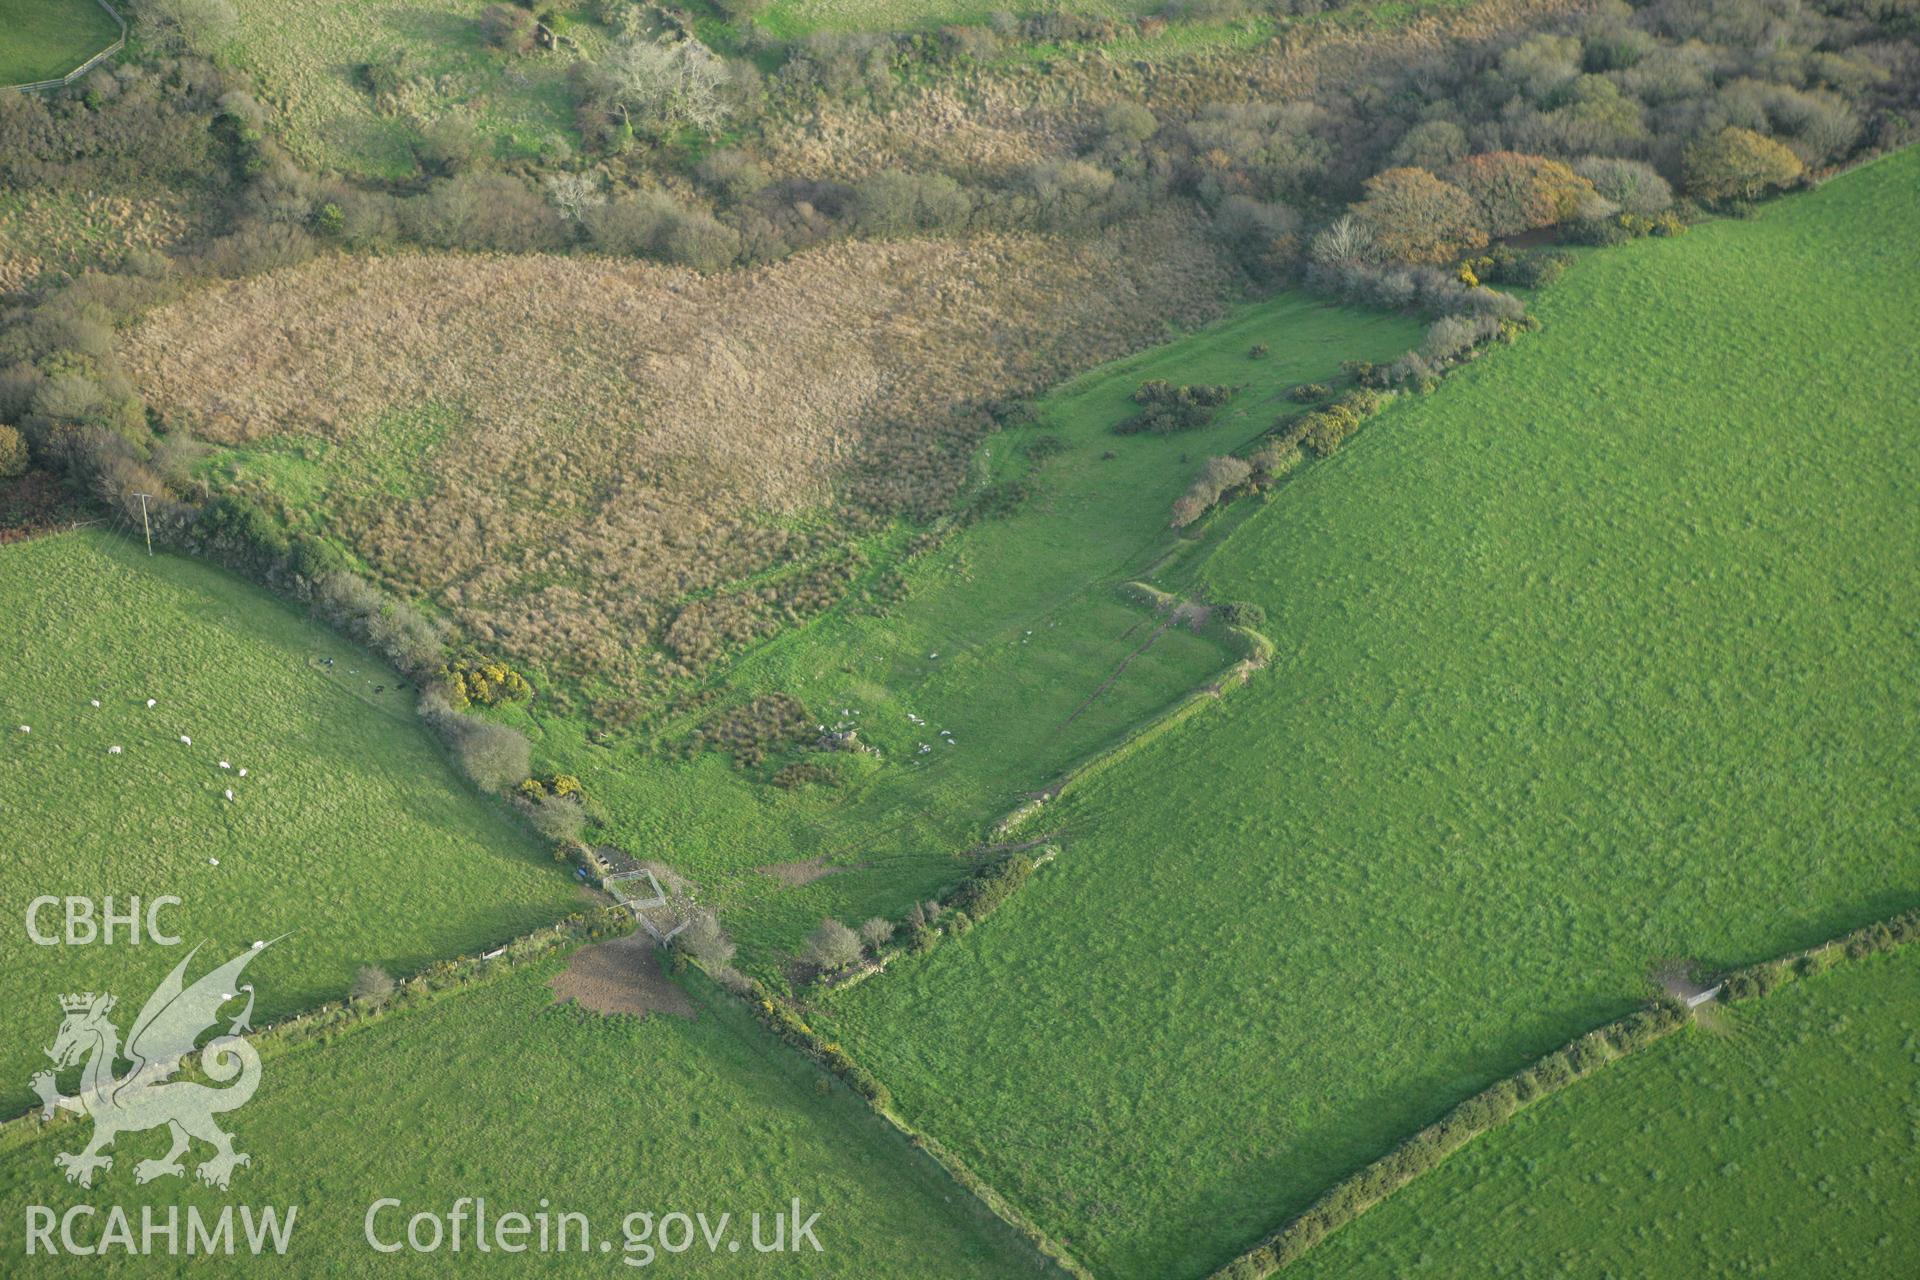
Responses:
[26,728]
[225,765]
[94,702]
[184,738]
[150,703]
[229,793]
[213,862]
[243,773]
[113,751]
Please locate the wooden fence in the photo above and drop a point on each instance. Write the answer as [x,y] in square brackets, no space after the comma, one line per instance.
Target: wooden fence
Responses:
[86,66]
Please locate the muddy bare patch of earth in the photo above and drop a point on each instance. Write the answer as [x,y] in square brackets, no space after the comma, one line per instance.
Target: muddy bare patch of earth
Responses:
[621,976]
[794,874]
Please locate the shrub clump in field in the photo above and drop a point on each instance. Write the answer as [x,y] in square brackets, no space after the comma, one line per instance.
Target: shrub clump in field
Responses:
[754,729]
[495,756]
[1166,408]
[805,773]
[832,946]
[1242,613]
[485,682]
[1216,479]
[706,941]
[1274,459]
[982,893]
[372,986]
[1324,430]
[13,453]
[1505,265]
[876,933]
[1740,164]
[1308,392]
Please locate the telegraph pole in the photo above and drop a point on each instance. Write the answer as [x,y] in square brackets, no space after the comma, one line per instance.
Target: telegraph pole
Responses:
[143,520]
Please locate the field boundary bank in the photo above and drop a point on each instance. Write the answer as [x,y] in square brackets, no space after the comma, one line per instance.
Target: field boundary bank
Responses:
[1493,1106]
[39,86]
[1258,650]
[984,891]
[781,1020]
[323,1021]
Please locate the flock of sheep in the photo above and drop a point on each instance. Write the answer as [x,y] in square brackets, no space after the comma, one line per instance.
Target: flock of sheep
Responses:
[185,739]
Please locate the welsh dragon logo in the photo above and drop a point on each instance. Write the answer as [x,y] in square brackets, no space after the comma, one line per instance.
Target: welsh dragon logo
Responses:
[146,1096]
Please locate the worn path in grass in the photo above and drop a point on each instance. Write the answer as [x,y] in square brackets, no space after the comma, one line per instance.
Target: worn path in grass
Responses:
[1601,655]
[491,1091]
[350,830]
[1782,1144]
[1007,633]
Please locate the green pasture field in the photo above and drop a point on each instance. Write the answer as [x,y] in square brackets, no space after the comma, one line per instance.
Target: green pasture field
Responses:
[45,39]
[1598,658]
[351,831]
[1780,1142]
[1042,659]
[304,55]
[491,1092]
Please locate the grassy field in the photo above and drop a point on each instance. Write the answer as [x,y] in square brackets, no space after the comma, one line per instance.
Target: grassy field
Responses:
[305,54]
[45,39]
[1014,638]
[1782,1142]
[491,1092]
[1594,659]
[350,829]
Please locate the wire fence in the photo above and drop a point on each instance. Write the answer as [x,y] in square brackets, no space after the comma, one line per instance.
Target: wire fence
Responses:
[98,58]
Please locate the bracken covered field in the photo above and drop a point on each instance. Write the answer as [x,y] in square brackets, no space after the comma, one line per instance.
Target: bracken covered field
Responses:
[566,453]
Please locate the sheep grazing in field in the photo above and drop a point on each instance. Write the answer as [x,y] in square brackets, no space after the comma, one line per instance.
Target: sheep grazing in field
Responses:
[184,738]
[94,702]
[113,751]
[213,862]
[151,704]
[229,793]
[225,765]
[26,728]
[243,773]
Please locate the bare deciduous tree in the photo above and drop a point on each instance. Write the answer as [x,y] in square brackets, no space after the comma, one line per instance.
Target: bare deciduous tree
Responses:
[665,86]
